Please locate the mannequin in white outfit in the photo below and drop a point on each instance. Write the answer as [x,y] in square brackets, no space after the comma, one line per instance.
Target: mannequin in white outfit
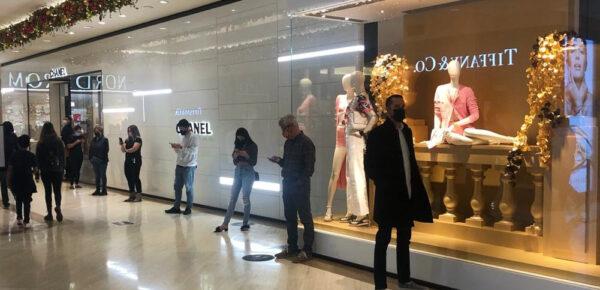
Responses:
[303,111]
[360,119]
[455,112]
[339,155]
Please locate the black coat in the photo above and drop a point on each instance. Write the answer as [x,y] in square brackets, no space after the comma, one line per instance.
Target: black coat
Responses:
[384,164]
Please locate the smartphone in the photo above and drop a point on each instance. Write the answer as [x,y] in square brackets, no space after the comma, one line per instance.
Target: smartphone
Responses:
[120,140]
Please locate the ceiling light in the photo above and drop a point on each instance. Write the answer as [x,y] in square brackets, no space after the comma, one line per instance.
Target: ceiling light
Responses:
[118,110]
[163,28]
[188,22]
[148,7]
[151,92]
[16,51]
[46,40]
[163,2]
[130,37]
[233,10]
[381,11]
[122,15]
[101,22]
[322,16]
[347,18]
[87,27]
[327,52]
[71,32]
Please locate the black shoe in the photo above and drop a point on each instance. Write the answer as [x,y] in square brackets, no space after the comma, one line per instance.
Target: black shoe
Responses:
[77,186]
[104,192]
[6,205]
[48,218]
[138,198]
[286,254]
[245,228]
[173,210]
[221,229]
[96,193]
[187,211]
[59,216]
[26,220]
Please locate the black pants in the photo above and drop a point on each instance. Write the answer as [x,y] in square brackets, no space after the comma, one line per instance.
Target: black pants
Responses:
[132,173]
[23,203]
[296,202]
[4,187]
[382,241]
[99,166]
[52,182]
[75,168]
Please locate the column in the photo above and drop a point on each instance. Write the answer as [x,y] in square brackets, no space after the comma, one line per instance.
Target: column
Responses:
[425,168]
[450,196]
[477,171]
[537,207]
[507,204]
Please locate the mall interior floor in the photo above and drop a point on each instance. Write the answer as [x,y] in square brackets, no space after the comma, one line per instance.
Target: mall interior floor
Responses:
[104,243]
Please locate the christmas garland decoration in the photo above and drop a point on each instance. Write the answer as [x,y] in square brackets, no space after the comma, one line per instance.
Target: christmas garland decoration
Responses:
[50,19]
[389,76]
[545,79]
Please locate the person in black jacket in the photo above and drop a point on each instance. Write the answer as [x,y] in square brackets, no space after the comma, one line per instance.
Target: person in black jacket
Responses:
[66,133]
[400,196]
[21,167]
[244,156]
[75,148]
[99,158]
[132,147]
[10,146]
[50,153]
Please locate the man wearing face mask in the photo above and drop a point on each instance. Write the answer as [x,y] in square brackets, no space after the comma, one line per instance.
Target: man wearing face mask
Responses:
[400,197]
[187,162]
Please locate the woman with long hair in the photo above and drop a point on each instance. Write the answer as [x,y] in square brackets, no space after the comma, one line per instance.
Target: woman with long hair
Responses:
[244,156]
[132,148]
[99,158]
[50,153]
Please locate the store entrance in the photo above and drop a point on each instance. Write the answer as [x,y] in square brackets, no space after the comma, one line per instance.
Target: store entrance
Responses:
[78,96]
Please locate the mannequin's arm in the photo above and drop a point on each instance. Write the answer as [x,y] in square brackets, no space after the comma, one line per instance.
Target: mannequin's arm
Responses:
[473,109]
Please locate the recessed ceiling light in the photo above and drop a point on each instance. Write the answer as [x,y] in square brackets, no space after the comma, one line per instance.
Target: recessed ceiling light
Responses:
[381,11]
[122,15]
[16,51]
[188,22]
[347,18]
[87,27]
[71,32]
[46,40]
[163,2]
[233,10]
[101,22]
[163,28]
[130,37]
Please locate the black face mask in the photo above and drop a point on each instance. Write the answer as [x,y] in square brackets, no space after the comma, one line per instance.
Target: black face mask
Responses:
[183,132]
[399,115]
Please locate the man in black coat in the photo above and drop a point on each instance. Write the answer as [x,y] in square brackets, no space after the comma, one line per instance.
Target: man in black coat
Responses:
[10,146]
[400,196]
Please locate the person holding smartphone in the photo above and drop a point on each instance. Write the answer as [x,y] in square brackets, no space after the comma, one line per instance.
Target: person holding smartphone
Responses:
[99,158]
[132,148]
[187,162]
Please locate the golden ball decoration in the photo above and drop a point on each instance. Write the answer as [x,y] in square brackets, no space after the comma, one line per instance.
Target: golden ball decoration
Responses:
[389,76]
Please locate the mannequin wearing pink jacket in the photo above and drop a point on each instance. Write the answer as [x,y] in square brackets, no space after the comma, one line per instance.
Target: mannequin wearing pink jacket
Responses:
[455,111]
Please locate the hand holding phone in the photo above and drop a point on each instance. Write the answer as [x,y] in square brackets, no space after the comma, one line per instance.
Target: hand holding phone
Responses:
[274,159]
[120,141]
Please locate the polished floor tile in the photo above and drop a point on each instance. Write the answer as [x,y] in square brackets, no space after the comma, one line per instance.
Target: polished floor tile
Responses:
[105,243]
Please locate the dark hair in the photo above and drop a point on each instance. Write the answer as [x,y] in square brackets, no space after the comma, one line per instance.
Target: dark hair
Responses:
[76,128]
[135,132]
[184,123]
[390,99]
[47,133]
[69,118]
[23,141]
[8,128]
[244,133]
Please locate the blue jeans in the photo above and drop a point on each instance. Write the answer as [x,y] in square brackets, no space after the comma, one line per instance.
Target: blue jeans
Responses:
[100,172]
[243,180]
[184,176]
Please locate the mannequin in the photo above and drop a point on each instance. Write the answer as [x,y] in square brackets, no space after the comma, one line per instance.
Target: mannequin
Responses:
[303,111]
[338,172]
[455,111]
[360,119]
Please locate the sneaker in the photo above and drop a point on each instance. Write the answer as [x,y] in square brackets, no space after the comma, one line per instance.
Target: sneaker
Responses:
[59,216]
[20,222]
[48,218]
[302,257]
[411,285]
[173,210]
[348,218]
[187,211]
[221,229]
[138,198]
[328,216]
[245,228]
[361,221]
[26,221]
[286,254]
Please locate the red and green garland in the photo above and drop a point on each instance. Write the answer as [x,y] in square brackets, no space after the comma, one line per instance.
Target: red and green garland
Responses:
[50,19]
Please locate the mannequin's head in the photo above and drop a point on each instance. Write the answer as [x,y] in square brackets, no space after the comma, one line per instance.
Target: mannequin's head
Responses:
[305,86]
[358,82]
[454,70]
[347,82]
[577,59]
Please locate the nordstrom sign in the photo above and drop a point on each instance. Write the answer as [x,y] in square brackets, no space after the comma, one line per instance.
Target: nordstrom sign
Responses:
[83,82]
